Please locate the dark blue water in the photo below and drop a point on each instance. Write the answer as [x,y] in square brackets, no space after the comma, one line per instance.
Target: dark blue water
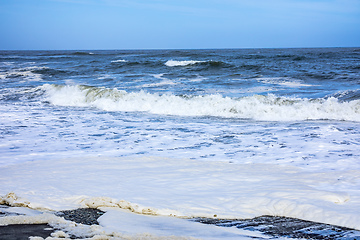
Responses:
[229,72]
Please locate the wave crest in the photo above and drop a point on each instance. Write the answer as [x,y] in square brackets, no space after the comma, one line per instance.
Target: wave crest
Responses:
[119,61]
[257,107]
[211,63]
[173,63]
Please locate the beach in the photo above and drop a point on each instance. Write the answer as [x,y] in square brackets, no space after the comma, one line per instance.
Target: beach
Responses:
[204,144]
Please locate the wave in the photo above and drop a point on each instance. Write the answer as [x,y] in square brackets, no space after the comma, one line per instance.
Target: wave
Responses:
[347,95]
[28,73]
[174,63]
[82,53]
[284,81]
[119,61]
[49,71]
[257,107]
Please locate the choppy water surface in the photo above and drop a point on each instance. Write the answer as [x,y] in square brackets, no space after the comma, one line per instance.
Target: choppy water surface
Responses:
[294,106]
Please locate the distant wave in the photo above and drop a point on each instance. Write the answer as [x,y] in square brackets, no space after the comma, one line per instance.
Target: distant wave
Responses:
[28,73]
[82,53]
[49,71]
[119,61]
[174,63]
[257,107]
[34,73]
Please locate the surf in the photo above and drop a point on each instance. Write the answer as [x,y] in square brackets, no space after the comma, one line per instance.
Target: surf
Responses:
[257,107]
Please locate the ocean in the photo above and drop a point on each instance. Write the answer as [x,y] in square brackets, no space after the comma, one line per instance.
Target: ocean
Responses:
[227,133]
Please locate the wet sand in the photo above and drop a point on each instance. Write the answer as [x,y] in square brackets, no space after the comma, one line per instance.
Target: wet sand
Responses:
[24,231]
[287,227]
[86,216]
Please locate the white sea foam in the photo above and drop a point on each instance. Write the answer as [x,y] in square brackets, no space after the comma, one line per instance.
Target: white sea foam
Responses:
[170,227]
[284,81]
[184,188]
[164,81]
[258,107]
[174,63]
[311,144]
[122,224]
[119,61]
[7,64]
[24,73]
[158,84]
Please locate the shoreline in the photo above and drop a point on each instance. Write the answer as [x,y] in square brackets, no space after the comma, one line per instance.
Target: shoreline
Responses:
[271,226]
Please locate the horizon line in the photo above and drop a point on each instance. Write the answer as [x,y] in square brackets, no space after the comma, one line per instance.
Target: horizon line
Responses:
[154,49]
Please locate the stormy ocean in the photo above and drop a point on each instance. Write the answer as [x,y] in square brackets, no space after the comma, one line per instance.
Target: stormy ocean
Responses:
[164,136]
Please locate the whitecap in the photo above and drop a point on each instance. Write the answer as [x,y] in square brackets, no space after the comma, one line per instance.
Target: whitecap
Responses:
[25,73]
[173,63]
[119,61]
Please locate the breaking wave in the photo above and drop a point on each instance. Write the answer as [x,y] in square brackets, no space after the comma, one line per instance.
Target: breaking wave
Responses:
[119,61]
[257,107]
[28,73]
[173,63]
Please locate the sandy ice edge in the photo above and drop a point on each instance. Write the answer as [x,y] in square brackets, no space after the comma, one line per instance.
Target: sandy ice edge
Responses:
[184,188]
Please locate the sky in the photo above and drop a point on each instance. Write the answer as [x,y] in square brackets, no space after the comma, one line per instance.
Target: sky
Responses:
[177,24]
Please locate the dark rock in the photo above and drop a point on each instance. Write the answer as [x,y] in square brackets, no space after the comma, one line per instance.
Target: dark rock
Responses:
[24,231]
[86,216]
[287,227]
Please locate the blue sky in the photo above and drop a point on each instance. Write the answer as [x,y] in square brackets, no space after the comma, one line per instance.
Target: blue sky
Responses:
[178,24]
